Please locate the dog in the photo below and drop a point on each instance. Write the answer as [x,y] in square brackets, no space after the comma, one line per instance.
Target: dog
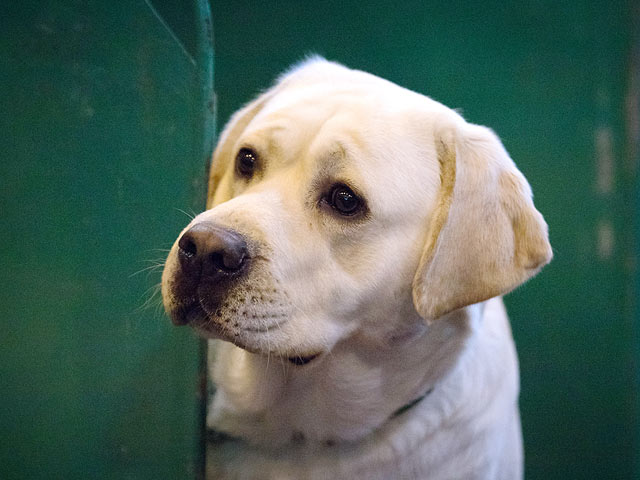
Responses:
[348,273]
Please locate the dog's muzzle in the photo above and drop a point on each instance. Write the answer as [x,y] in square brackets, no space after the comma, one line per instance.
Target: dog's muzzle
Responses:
[210,259]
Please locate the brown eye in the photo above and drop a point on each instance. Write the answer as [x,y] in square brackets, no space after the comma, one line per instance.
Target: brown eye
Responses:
[344,201]
[246,162]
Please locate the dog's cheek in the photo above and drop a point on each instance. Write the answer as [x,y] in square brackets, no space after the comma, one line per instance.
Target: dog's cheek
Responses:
[381,258]
[168,275]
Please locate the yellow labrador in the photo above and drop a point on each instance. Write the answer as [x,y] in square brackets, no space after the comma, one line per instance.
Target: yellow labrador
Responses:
[348,271]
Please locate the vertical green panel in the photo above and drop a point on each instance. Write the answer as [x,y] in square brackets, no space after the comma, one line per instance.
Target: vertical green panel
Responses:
[632,200]
[551,79]
[106,123]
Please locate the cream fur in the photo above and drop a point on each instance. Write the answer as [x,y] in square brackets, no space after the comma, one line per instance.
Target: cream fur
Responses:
[398,302]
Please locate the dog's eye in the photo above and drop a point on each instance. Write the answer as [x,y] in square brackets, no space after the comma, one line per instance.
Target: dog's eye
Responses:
[246,162]
[344,201]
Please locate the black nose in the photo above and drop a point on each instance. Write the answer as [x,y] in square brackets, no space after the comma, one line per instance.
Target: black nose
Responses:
[212,252]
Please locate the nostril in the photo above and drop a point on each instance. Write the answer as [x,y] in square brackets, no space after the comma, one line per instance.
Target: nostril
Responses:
[187,246]
[228,261]
[233,260]
[216,260]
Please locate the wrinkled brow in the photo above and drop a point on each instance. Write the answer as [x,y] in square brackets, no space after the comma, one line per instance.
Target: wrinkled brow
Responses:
[265,141]
[329,162]
[333,165]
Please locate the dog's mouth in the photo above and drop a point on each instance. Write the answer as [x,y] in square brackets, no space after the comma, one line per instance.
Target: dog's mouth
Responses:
[300,360]
[194,315]
[191,313]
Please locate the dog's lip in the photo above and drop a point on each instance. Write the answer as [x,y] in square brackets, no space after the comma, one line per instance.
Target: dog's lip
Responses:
[302,360]
[193,314]
[263,328]
[188,314]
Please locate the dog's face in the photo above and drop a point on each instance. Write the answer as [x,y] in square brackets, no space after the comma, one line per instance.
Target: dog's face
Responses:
[341,203]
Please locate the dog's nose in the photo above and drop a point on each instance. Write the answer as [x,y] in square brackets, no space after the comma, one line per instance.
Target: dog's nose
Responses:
[212,252]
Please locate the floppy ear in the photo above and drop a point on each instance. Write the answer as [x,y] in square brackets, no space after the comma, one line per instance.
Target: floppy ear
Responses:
[485,237]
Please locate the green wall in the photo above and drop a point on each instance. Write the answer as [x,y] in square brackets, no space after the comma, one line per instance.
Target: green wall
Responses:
[553,80]
[106,126]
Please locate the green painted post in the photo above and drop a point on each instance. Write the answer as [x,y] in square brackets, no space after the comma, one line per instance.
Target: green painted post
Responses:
[107,122]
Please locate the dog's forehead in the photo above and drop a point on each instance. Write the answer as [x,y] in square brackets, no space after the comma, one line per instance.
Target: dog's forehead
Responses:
[322,95]
[310,127]
[361,126]
[346,91]
[311,107]
[325,115]
[375,127]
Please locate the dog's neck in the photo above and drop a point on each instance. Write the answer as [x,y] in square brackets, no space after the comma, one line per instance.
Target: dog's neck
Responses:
[352,391]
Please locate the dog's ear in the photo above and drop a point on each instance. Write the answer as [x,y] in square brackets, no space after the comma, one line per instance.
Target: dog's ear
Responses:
[485,236]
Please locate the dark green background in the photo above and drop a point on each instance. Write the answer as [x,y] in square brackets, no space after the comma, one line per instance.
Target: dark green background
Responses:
[106,123]
[106,118]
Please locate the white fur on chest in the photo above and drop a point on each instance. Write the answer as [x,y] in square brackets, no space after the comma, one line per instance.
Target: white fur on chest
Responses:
[295,426]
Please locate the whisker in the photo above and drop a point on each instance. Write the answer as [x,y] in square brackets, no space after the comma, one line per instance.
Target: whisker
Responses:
[152,298]
[190,216]
[285,364]
[161,250]
[149,268]
[266,368]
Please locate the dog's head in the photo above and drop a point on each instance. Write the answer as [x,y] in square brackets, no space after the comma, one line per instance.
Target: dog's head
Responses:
[340,202]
